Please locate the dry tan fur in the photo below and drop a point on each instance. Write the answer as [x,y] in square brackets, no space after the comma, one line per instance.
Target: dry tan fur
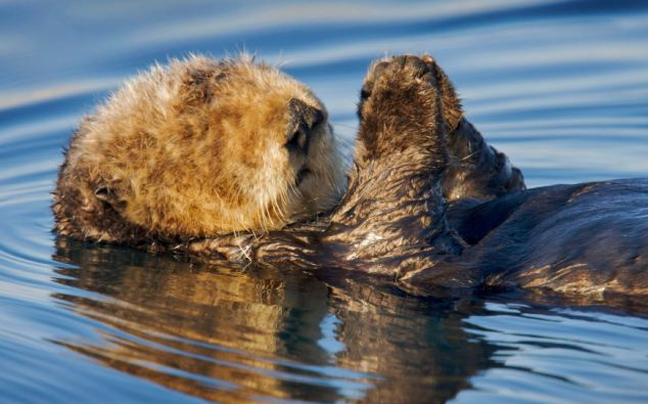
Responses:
[193,149]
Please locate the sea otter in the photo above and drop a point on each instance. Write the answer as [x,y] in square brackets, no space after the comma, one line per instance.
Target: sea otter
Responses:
[196,149]
[435,208]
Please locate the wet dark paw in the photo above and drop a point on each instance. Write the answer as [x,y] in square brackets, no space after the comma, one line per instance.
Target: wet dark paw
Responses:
[401,108]
[399,71]
[402,91]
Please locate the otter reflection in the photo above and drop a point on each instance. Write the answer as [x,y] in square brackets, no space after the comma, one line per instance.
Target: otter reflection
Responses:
[236,335]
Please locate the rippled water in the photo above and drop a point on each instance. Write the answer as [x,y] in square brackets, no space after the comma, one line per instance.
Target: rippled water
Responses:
[562,87]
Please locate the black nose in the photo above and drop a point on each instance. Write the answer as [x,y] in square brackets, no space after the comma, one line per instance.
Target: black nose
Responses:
[304,114]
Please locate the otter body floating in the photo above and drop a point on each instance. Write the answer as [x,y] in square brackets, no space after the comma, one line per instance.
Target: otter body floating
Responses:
[428,203]
[433,206]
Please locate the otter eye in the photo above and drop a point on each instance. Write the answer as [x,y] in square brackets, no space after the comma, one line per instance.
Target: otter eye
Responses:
[108,197]
[298,140]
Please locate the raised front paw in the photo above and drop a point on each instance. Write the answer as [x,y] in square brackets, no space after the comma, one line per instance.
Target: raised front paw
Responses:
[406,66]
[401,107]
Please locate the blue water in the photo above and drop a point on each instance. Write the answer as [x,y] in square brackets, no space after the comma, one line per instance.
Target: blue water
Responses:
[561,87]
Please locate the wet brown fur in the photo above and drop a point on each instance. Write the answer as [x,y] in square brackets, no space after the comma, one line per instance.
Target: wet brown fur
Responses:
[431,205]
[415,156]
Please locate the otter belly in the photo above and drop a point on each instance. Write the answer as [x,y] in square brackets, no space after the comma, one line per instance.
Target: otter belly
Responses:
[587,238]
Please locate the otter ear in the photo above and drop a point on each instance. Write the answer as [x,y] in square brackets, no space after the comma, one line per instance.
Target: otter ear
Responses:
[108,197]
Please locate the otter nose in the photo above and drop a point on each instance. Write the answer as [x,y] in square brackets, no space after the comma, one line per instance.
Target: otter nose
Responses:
[304,119]
[305,114]
[314,118]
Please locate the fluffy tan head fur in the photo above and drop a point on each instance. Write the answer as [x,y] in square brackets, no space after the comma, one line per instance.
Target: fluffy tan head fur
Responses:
[196,148]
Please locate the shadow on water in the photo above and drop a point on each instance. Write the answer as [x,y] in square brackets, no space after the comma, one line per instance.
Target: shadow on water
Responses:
[240,335]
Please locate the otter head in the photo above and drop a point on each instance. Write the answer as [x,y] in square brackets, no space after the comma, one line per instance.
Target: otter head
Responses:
[199,148]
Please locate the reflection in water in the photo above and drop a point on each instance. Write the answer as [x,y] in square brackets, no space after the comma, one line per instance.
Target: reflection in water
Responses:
[240,335]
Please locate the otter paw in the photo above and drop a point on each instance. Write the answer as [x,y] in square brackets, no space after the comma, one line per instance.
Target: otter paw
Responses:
[401,85]
[400,69]
[402,108]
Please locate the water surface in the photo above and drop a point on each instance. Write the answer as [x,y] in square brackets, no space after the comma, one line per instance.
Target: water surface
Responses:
[561,87]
